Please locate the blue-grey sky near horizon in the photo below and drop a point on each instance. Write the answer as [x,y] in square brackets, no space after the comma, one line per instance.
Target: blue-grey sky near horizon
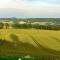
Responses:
[30,8]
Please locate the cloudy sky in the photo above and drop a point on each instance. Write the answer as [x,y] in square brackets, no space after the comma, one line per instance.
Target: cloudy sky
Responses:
[30,8]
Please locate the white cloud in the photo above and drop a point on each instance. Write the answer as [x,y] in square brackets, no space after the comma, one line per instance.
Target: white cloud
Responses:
[24,8]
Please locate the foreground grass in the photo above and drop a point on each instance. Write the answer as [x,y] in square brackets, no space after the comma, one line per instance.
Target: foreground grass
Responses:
[30,41]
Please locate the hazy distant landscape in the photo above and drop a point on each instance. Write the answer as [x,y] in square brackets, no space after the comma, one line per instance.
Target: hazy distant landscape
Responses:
[54,20]
[30,23]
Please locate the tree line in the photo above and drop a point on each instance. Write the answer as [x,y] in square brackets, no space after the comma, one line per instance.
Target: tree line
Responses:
[30,26]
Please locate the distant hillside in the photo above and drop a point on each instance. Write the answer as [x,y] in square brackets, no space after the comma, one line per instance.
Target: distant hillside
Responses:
[45,19]
[55,20]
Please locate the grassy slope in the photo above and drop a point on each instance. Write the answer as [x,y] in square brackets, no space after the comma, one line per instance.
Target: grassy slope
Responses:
[45,41]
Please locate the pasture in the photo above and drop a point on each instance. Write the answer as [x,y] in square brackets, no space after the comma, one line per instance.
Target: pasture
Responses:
[32,41]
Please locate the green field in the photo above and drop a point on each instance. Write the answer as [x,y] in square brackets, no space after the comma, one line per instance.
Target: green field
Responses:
[29,41]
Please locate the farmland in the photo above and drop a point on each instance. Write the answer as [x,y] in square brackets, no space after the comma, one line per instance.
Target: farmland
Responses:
[30,41]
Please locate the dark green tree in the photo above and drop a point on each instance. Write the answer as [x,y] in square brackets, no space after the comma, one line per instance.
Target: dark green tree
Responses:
[6,25]
[16,25]
[1,25]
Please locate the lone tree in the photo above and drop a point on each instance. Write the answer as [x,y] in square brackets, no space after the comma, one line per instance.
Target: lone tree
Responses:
[1,25]
[6,25]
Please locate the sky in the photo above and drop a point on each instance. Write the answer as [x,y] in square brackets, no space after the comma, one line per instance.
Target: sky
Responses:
[30,8]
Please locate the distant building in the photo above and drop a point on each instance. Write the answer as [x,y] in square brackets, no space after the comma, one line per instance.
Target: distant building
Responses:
[22,22]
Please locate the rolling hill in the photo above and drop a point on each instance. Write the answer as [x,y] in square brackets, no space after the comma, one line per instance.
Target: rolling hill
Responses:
[29,41]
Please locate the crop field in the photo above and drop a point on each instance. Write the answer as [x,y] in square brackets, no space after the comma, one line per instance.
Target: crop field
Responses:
[30,41]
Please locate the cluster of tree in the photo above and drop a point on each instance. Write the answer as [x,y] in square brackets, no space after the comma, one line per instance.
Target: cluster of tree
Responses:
[30,26]
[36,26]
[49,27]
[22,26]
[2,25]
